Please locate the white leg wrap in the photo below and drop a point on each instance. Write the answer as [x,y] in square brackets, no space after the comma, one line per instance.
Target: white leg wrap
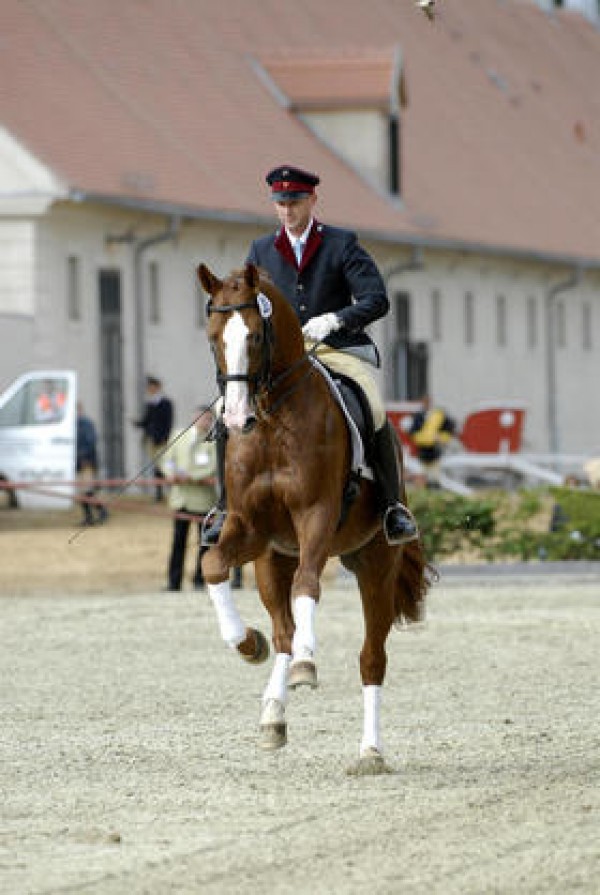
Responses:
[273,712]
[371,705]
[233,630]
[304,642]
[277,686]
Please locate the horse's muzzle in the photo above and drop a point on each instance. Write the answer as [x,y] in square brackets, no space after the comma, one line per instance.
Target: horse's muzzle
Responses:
[245,425]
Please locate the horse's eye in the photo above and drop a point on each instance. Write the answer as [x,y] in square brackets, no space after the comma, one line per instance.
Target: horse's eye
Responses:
[254,339]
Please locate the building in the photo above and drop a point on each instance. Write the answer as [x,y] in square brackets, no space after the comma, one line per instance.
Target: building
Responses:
[466,153]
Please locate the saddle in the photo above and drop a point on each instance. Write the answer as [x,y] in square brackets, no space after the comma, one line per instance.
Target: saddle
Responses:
[353,402]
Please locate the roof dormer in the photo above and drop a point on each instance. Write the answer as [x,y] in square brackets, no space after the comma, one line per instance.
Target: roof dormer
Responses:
[350,101]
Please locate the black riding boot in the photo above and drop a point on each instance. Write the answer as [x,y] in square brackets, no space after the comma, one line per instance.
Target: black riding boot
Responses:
[399,525]
[215,518]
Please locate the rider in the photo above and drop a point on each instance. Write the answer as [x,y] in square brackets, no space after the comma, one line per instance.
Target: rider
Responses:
[336,290]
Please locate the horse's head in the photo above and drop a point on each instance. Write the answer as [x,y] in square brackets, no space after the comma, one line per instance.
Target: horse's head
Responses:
[241,336]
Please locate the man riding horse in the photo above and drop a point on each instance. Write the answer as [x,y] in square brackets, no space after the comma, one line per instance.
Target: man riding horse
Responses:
[335,288]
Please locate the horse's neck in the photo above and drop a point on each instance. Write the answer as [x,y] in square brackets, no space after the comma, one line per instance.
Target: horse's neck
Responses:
[288,346]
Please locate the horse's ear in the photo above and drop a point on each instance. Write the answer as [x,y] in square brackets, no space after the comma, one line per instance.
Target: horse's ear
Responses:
[210,283]
[251,276]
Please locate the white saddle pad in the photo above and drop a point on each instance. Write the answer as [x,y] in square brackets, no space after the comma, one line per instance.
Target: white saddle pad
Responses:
[358,449]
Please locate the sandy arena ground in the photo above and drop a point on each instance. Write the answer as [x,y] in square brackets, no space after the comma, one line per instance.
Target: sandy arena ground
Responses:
[128,755]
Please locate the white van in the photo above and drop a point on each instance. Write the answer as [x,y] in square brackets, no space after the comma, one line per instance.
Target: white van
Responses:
[38,427]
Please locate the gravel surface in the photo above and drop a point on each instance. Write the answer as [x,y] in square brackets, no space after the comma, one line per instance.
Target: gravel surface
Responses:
[129,762]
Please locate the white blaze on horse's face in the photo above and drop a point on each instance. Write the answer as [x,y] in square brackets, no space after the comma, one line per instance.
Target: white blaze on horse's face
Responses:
[237,404]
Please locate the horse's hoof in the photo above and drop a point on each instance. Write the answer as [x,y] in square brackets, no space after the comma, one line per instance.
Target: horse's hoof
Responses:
[370,764]
[302,673]
[272,736]
[261,650]
[273,729]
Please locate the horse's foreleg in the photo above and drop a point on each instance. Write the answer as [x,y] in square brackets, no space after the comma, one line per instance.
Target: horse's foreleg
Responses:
[303,670]
[273,727]
[314,536]
[249,642]
[274,573]
[235,547]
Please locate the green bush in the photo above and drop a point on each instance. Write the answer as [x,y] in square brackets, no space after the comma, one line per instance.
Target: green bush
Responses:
[449,522]
[532,524]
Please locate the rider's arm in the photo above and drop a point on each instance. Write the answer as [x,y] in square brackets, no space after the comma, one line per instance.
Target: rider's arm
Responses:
[366,285]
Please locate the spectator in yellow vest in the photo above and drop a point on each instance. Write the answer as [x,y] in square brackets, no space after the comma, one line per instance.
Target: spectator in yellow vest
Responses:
[190,466]
[431,430]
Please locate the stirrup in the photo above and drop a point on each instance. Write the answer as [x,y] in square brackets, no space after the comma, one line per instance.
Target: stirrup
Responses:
[212,525]
[399,525]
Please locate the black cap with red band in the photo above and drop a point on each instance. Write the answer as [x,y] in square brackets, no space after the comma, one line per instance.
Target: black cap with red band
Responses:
[287,182]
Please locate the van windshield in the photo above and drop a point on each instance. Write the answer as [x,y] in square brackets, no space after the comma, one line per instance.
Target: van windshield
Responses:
[37,402]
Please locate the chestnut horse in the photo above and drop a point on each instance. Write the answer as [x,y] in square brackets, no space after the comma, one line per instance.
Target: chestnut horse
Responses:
[287,464]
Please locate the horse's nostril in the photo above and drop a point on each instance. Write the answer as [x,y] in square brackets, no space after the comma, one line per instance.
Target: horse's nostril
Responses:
[249,425]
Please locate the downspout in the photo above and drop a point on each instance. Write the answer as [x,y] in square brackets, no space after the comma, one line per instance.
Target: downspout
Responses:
[569,282]
[414,263]
[140,246]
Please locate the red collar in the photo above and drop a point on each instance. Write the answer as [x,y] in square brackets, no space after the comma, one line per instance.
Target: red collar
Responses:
[283,246]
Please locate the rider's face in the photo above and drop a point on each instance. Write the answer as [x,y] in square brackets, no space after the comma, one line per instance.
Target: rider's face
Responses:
[296,213]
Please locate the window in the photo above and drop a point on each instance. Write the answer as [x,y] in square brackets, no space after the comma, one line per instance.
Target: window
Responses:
[532,323]
[73,288]
[586,319]
[469,318]
[436,315]
[501,325]
[38,401]
[153,293]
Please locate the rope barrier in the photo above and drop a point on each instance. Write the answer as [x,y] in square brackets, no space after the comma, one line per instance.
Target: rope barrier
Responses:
[88,483]
[127,506]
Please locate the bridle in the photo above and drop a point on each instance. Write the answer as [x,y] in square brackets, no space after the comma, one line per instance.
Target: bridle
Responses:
[263,382]
[261,379]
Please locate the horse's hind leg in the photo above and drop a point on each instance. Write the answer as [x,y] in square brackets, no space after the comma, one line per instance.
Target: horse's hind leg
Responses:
[274,574]
[376,568]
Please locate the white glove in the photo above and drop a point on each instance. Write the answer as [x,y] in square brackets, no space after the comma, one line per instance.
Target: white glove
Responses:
[320,327]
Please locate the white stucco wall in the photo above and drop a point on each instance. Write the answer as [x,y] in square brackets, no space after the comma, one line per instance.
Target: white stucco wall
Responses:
[360,135]
[463,375]
[17,266]
[176,350]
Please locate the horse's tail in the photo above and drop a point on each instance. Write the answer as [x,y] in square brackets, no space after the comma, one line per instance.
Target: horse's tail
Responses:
[415,577]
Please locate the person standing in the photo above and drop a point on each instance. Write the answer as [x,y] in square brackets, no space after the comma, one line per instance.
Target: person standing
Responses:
[431,430]
[50,403]
[156,424]
[335,288]
[87,465]
[190,465]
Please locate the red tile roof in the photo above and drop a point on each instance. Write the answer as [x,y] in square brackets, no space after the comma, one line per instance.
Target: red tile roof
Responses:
[161,101]
[357,78]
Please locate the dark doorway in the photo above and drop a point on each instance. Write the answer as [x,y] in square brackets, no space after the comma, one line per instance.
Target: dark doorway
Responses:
[410,359]
[111,373]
